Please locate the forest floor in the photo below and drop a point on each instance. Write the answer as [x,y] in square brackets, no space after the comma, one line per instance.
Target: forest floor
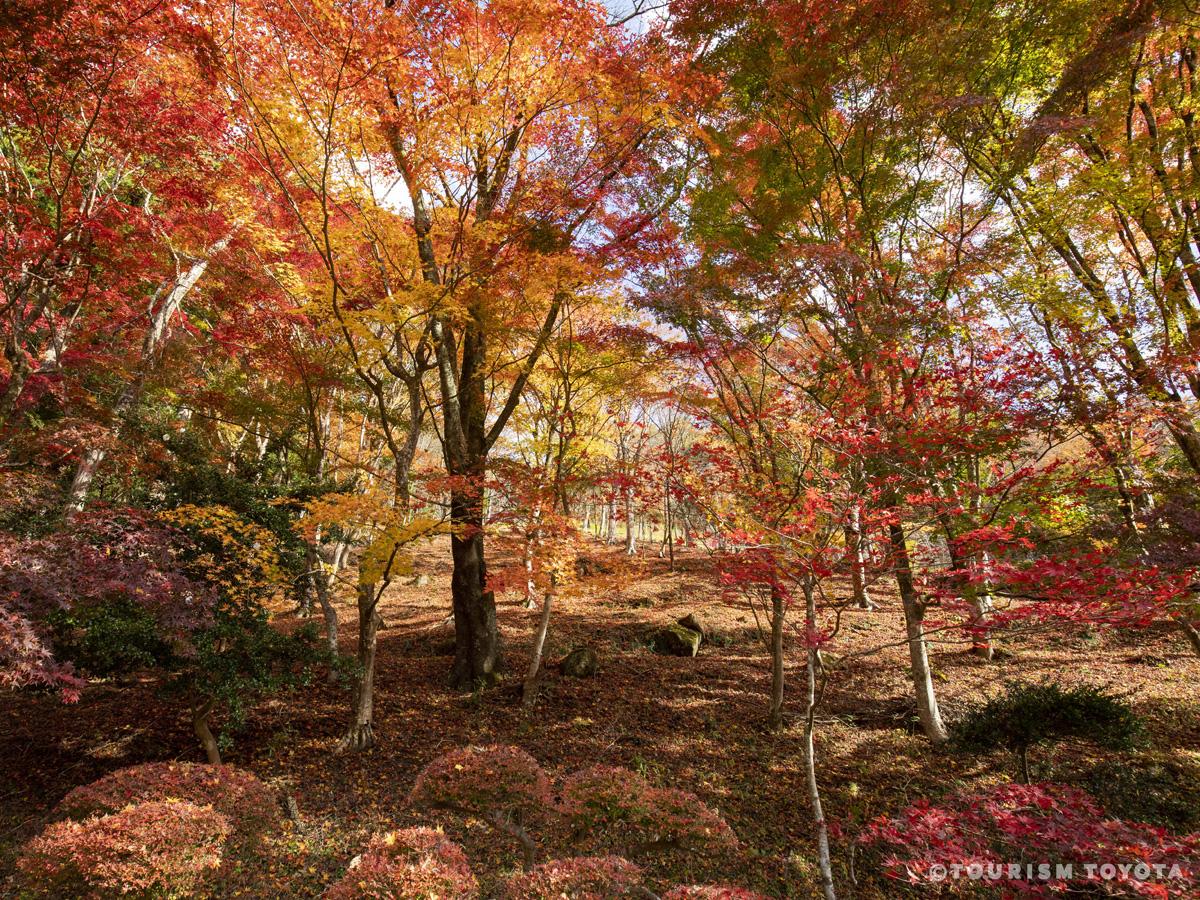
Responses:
[692,723]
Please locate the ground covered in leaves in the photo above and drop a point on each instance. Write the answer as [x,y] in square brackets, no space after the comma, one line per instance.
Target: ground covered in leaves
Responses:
[695,724]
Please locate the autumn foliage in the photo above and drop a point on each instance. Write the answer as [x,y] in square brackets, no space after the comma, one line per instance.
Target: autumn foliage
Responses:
[869,328]
[416,863]
[150,849]
[483,781]
[583,877]
[1031,824]
[616,808]
[250,807]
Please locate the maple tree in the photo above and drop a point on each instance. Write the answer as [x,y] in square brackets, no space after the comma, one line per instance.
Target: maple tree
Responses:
[513,157]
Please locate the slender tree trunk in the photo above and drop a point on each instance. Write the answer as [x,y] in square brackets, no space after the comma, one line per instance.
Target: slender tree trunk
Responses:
[669,525]
[630,532]
[200,717]
[361,733]
[532,538]
[778,608]
[173,296]
[321,586]
[858,561]
[914,617]
[824,862]
[610,519]
[530,688]
[977,596]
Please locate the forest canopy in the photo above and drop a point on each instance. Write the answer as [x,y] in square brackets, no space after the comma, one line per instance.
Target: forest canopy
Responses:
[549,448]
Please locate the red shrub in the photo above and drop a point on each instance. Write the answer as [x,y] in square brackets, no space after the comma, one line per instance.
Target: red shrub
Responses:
[614,807]
[412,864]
[604,799]
[250,805]
[483,781]
[1031,825]
[581,878]
[681,819]
[711,892]
[155,849]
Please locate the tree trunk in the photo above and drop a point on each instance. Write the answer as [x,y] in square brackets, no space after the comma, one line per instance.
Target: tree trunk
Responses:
[824,863]
[775,715]
[477,642]
[630,533]
[361,734]
[669,525]
[173,296]
[610,521]
[532,538]
[854,549]
[530,688]
[914,618]
[978,598]
[320,583]
[200,716]
[980,602]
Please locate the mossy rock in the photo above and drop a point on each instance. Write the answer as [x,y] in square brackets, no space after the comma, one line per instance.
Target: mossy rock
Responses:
[581,662]
[675,640]
[692,622]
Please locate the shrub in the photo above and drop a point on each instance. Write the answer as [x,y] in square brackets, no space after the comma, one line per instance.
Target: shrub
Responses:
[581,878]
[1030,825]
[112,639]
[614,807]
[502,785]
[1028,715]
[605,799]
[186,593]
[154,849]
[411,864]
[711,892]
[250,806]
[680,819]
[483,781]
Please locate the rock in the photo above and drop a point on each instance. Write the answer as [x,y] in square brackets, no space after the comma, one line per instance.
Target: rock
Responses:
[675,640]
[581,662]
[693,623]
[419,580]
[587,566]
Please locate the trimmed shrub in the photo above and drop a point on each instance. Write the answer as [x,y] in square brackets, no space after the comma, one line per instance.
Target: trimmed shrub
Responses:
[1030,825]
[580,878]
[250,806]
[154,849]
[604,799]
[1028,715]
[711,892]
[411,864]
[680,819]
[613,807]
[483,781]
